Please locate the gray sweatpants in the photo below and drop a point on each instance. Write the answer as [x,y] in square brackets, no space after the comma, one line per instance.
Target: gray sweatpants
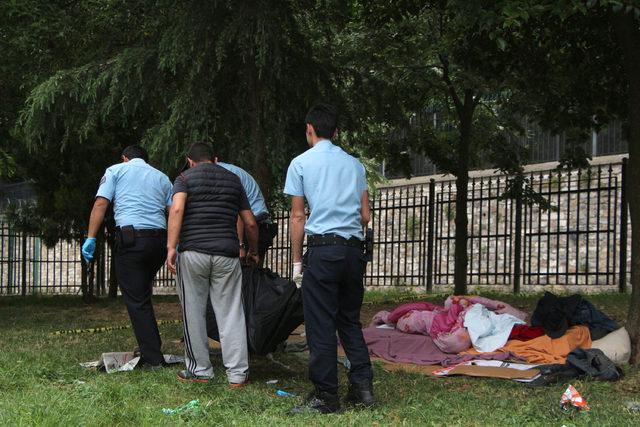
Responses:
[198,276]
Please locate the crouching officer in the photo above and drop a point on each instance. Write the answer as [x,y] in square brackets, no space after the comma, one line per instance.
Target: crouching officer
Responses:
[334,185]
[140,194]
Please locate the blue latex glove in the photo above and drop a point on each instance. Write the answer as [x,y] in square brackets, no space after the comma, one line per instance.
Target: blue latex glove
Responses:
[88,248]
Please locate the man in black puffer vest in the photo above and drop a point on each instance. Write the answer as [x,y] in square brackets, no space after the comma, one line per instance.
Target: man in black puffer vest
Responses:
[207,200]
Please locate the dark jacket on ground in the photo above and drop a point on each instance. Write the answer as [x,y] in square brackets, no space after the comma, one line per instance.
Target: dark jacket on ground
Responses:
[556,314]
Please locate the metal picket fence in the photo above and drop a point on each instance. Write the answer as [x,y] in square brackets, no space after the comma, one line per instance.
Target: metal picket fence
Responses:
[581,241]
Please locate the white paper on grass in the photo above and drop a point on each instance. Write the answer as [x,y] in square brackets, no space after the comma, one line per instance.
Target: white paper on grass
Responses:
[124,361]
[501,364]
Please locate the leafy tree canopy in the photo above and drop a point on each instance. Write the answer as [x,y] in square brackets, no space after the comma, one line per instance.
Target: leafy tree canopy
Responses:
[239,74]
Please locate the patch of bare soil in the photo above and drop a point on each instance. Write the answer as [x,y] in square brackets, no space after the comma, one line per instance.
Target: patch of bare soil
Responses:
[168,310]
[116,314]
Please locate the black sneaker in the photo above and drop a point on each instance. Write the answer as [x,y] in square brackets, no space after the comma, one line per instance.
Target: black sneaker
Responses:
[319,402]
[360,395]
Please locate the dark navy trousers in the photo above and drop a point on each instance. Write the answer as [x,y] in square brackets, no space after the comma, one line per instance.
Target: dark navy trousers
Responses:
[136,267]
[332,292]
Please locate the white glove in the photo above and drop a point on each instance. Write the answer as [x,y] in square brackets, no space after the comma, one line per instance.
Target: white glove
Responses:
[297,274]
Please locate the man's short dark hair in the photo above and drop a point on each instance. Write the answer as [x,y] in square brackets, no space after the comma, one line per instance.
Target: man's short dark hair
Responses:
[324,119]
[200,152]
[135,152]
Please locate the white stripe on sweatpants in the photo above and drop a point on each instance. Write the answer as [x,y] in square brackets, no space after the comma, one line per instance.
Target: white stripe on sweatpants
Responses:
[189,359]
[199,276]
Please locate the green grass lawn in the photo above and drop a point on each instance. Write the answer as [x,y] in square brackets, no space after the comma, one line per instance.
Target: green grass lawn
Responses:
[41,382]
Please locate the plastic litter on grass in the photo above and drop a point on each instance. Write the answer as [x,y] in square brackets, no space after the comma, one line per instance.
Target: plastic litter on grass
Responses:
[572,398]
[192,406]
[633,406]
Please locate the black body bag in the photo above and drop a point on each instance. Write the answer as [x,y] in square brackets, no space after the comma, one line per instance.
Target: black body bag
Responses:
[272,309]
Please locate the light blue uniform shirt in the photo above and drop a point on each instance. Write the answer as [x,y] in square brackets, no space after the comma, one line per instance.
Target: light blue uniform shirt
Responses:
[256,199]
[139,193]
[333,182]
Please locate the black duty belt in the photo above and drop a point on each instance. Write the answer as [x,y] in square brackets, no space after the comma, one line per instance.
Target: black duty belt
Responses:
[333,239]
[149,232]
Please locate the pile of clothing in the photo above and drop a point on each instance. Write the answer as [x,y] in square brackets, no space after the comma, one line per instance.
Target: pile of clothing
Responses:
[566,334]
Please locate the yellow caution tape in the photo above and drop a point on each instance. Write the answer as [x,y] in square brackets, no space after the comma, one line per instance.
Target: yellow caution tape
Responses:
[106,328]
[165,322]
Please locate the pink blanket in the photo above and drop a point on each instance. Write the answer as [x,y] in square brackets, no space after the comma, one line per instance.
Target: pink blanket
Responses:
[403,309]
[497,307]
[445,325]
[394,346]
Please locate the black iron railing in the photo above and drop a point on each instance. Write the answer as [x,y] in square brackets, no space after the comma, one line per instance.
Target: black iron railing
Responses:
[581,241]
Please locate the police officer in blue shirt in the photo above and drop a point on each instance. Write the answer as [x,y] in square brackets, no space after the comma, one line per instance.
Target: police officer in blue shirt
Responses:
[334,185]
[140,194]
[267,229]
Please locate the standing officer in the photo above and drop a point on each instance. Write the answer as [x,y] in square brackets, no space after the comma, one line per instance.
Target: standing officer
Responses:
[140,194]
[334,185]
[267,230]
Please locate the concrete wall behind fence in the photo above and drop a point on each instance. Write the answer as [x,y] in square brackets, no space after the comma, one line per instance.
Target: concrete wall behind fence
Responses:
[575,244]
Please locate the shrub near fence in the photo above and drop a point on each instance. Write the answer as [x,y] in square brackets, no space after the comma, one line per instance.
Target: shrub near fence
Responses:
[581,242]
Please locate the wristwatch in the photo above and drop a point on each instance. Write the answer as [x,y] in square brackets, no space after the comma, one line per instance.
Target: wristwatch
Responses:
[242,246]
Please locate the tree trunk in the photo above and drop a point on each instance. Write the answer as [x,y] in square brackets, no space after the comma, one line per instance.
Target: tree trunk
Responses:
[83,280]
[110,237]
[86,286]
[628,34]
[261,170]
[633,177]
[462,223]
[99,274]
[462,182]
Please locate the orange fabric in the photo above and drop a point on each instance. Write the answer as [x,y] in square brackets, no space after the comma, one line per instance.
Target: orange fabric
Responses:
[547,350]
